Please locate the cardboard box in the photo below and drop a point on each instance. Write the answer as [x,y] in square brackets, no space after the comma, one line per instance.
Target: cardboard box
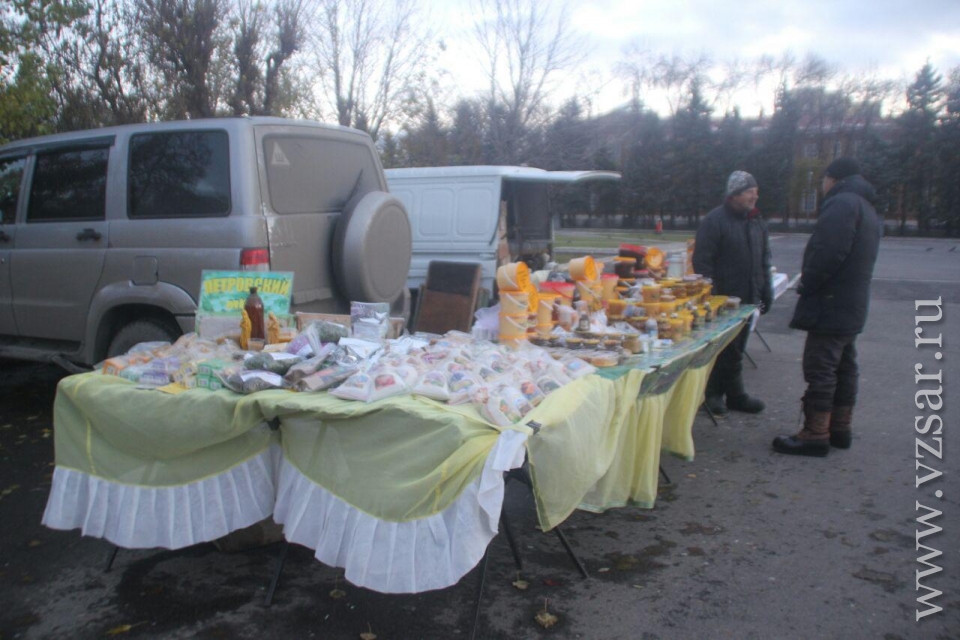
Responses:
[303,319]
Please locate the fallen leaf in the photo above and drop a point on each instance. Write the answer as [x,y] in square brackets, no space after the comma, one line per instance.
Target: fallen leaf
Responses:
[336,594]
[34,543]
[368,634]
[523,585]
[603,569]
[546,620]
[550,582]
[691,475]
[123,628]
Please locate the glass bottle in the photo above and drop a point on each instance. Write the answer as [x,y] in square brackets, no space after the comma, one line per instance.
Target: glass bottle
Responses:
[254,309]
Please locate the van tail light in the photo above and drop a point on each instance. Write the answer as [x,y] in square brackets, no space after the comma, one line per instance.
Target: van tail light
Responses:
[255,260]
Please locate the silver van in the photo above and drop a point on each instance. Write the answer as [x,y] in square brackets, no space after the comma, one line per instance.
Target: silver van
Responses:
[104,233]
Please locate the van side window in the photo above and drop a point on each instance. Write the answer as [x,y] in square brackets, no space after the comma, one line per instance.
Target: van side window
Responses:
[69,185]
[11,172]
[179,174]
[316,175]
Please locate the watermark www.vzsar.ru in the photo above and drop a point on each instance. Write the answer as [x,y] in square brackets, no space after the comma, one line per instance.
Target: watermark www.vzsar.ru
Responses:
[929,444]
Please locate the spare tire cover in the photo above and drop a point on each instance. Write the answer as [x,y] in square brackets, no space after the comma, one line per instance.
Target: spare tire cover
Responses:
[371,249]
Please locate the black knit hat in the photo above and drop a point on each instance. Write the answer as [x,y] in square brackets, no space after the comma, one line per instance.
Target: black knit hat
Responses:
[842,167]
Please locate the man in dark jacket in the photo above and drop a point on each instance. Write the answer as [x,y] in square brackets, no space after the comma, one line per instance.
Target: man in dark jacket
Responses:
[733,249]
[834,297]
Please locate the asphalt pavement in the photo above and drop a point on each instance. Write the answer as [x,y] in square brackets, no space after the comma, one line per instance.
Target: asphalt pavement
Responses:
[743,543]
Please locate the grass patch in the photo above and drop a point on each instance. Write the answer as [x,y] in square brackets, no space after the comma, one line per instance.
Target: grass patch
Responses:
[613,239]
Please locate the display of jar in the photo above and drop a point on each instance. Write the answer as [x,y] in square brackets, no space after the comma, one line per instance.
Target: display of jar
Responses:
[664,328]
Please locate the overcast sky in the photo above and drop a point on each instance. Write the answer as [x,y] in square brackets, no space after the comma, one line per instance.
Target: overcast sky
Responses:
[887,38]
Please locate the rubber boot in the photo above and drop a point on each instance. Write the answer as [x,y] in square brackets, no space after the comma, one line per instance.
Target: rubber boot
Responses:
[714,395]
[841,419]
[738,400]
[813,439]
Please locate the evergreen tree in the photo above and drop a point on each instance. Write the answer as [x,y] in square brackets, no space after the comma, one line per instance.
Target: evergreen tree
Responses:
[425,145]
[917,149]
[690,192]
[772,164]
[947,144]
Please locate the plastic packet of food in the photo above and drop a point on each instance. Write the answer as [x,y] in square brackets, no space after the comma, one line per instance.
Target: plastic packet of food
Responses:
[461,385]
[250,381]
[433,384]
[303,369]
[532,392]
[278,363]
[325,378]
[503,405]
[577,368]
[370,320]
[548,384]
[147,347]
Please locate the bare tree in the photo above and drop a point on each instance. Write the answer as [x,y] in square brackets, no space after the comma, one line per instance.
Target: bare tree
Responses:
[185,41]
[525,49]
[370,57]
[260,65]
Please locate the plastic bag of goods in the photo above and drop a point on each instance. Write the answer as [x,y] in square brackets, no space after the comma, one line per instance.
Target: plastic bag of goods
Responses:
[502,405]
[433,385]
[377,383]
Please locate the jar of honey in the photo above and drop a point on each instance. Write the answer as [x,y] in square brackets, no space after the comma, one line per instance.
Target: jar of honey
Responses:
[664,328]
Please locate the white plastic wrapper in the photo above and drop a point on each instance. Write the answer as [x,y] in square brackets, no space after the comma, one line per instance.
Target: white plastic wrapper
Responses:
[376,384]
[532,392]
[461,385]
[548,384]
[502,405]
[433,384]
[577,368]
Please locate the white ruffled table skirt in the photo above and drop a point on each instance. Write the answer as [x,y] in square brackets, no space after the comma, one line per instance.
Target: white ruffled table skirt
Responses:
[389,557]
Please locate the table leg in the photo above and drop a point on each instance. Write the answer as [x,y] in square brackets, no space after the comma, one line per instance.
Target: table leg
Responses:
[505,523]
[573,556]
[111,557]
[763,340]
[710,413]
[281,557]
[665,476]
[481,578]
[747,355]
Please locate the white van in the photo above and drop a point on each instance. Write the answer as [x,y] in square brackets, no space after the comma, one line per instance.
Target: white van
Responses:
[485,214]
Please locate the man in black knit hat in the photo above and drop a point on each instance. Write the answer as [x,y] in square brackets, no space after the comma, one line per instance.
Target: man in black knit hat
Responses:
[834,297]
[733,249]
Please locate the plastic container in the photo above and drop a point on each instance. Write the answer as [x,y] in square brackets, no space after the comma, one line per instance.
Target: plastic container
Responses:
[608,284]
[545,308]
[514,276]
[584,268]
[563,290]
[514,302]
[513,326]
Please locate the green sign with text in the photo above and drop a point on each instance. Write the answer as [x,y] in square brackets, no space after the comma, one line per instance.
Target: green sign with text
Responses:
[227,291]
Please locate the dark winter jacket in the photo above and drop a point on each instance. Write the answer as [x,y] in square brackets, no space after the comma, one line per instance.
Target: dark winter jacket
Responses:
[838,261]
[733,249]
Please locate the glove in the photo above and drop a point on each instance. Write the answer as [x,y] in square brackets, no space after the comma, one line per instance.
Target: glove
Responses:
[766,301]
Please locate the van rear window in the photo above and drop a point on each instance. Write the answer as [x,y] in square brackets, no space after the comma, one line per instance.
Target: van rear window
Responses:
[316,175]
[179,174]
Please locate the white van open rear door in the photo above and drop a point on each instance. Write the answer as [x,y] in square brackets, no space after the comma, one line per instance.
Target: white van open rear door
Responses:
[454,212]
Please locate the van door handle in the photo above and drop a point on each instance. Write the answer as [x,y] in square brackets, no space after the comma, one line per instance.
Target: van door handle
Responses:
[487,256]
[4,237]
[89,234]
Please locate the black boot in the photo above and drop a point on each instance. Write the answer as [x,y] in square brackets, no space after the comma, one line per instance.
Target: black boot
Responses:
[841,418]
[714,394]
[813,439]
[738,400]
[715,405]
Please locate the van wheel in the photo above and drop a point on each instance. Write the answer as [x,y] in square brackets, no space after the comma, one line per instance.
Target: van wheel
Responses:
[150,330]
